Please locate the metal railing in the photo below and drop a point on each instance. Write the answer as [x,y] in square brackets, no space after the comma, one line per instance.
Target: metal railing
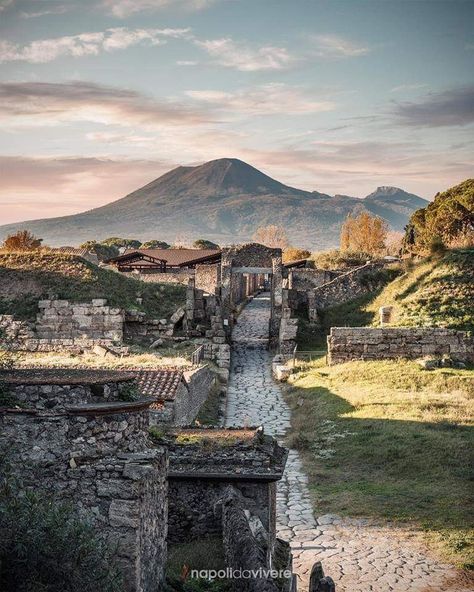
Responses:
[198,355]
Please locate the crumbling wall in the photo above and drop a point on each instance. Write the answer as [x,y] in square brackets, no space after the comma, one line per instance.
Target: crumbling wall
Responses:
[308,279]
[365,343]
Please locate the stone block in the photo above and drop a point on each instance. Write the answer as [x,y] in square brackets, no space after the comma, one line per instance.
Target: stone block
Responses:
[99,302]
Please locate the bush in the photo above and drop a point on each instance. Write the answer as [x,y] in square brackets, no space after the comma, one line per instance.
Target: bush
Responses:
[45,547]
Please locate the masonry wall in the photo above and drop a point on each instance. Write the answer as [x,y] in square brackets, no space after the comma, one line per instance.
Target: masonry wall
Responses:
[191,505]
[97,457]
[63,325]
[307,279]
[207,278]
[175,277]
[365,343]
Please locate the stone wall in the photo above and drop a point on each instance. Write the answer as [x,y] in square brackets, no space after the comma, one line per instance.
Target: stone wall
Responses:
[345,287]
[171,277]
[63,325]
[191,394]
[365,343]
[247,546]
[207,277]
[96,456]
[307,279]
[199,475]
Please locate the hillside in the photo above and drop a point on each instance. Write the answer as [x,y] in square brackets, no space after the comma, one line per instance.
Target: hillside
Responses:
[435,291]
[225,201]
[26,278]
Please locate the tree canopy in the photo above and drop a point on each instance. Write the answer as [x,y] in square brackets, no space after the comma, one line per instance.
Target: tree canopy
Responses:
[116,241]
[22,240]
[364,233]
[448,218]
[155,244]
[202,243]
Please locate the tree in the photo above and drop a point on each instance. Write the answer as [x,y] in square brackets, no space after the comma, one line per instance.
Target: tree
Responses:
[155,244]
[202,243]
[116,241]
[449,219]
[103,252]
[364,233]
[22,240]
[295,254]
[271,236]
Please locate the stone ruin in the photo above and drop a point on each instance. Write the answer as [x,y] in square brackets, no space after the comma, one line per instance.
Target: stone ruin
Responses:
[73,436]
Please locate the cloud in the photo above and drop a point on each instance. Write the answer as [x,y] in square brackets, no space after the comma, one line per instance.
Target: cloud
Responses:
[45,187]
[453,107]
[186,63]
[46,103]
[267,99]
[4,4]
[240,56]
[334,47]
[85,44]
[61,9]
[126,8]
[404,87]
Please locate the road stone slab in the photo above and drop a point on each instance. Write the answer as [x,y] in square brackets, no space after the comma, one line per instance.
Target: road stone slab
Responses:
[359,555]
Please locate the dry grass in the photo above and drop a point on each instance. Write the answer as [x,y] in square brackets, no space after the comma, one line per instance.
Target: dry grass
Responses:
[88,360]
[389,440]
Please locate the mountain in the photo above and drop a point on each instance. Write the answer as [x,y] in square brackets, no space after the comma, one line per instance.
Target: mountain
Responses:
[223,200]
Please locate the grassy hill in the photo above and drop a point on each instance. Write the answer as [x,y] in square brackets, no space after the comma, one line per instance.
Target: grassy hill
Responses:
[26,278]
[436,291]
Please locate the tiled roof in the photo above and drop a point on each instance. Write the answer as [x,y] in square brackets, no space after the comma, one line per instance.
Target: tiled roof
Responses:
[177,257]
[161,385]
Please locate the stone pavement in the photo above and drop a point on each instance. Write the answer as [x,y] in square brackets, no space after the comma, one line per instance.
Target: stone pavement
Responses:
[359,555]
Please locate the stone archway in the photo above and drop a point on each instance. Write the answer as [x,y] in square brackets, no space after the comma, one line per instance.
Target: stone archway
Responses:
[243,269]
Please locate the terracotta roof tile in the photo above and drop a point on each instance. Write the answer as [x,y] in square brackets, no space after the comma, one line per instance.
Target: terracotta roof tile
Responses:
[161,385]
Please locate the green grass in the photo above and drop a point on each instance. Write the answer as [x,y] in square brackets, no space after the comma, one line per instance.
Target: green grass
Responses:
[438,291]
[390,441]
[26,278]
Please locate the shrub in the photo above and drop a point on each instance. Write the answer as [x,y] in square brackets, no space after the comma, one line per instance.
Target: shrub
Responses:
[45,547]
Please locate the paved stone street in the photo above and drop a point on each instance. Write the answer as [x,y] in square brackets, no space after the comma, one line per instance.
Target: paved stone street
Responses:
[358,555]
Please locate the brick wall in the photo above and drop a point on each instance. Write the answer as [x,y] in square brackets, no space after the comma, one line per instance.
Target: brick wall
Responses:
[365,343]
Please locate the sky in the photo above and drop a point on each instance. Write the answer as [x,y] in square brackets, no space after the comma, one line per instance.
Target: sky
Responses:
[99,97]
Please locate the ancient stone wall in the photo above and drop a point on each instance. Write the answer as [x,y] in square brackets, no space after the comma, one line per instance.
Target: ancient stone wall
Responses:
[207,278]
[350,285]
[307,279]
[190,396]
[199,475]
[172,277]
[365,343]
[97,457]
[246,545]
[63,325]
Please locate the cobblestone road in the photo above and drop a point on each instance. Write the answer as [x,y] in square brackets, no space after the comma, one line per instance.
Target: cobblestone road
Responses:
[359,555]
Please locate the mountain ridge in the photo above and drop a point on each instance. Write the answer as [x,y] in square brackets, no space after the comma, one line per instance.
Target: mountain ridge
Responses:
[223,200]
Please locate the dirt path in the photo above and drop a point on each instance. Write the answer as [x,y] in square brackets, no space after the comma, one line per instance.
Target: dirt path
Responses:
[359,555]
